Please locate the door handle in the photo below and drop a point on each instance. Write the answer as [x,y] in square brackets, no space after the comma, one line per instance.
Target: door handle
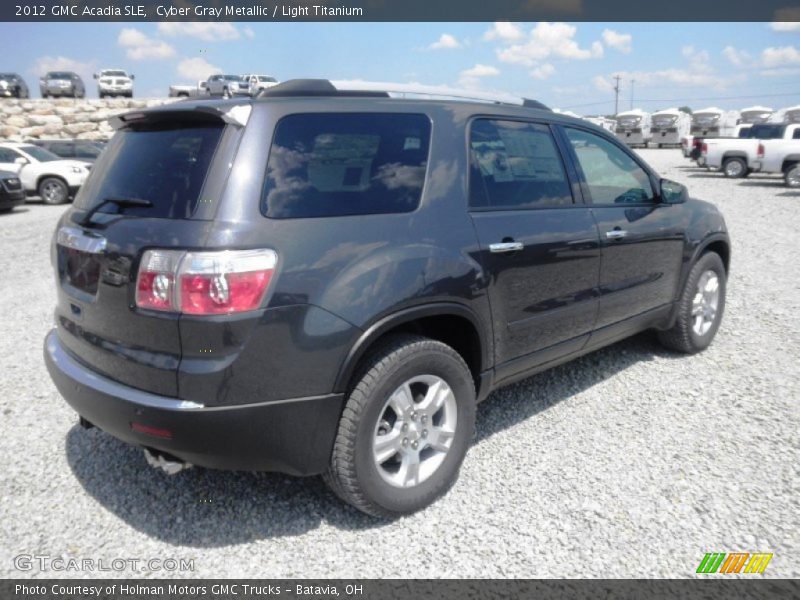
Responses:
[616,234]
[506,247]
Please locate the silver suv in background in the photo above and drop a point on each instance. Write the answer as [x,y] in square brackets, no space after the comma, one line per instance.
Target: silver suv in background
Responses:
[259,83]
[13,86]
[62,83]
[114,82]
[227,86]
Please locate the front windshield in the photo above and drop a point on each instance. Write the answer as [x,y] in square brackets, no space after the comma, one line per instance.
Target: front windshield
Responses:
[629,121]
[231,77]
[705,118]
[39,154]
[664,120]
[752,116]
[267,79]
[59,75]
[7,76]
[113,74]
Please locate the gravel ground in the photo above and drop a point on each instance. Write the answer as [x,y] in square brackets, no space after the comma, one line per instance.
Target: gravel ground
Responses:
[630,462]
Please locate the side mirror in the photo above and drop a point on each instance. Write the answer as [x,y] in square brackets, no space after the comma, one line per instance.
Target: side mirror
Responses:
[21,161]
[94,75]
[203,85]
[133,77]
[673,192]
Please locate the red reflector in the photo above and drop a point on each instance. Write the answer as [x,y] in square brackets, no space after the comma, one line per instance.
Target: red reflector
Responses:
[223,293]
[761,150]
[154,431]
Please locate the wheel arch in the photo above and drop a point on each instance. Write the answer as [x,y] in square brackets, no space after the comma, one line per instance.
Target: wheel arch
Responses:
[789,161]
[44,176]
[451,323]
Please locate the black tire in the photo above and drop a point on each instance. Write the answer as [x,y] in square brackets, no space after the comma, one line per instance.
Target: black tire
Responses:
[101,95]
[353,474]
[682,337]
[791,177]
[734,167]
[53,190]
[226,93]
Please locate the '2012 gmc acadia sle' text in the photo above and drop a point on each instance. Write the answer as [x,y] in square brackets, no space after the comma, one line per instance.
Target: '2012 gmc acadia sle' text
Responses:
[327,281]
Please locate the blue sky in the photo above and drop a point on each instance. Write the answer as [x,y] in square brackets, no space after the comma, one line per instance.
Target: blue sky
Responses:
[570,66]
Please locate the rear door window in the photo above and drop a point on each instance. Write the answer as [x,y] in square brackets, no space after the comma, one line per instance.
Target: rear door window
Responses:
[167,167]
[337,164]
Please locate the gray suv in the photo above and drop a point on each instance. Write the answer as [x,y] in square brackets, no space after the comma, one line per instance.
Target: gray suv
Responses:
[13,86]
[327,281]
[62,83]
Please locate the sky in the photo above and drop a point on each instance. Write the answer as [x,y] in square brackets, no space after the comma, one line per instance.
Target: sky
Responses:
[565,65]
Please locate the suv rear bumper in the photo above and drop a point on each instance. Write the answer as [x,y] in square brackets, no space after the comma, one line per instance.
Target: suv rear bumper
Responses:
[290,436]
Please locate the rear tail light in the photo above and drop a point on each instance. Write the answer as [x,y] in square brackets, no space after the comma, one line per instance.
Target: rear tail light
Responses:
[204,283]
[704,148]
[760,151]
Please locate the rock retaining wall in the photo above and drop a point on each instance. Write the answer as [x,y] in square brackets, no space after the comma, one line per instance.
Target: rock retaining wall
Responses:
[64,118]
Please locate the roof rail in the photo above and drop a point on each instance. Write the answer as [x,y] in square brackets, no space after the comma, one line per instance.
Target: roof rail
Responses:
[323,87]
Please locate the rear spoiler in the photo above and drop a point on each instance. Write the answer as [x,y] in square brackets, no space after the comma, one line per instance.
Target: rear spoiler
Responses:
[231,114]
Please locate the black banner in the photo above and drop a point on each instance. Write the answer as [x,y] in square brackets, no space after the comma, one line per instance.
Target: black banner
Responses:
[398,10]
[478,589]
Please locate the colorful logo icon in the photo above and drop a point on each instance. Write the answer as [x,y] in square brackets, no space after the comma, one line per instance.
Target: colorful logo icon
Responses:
[734,562]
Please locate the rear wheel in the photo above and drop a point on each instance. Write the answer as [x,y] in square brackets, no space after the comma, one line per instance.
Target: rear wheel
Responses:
[700,307]
[791,177]
[226,93]
[405,429]
[53,190]
[734,167]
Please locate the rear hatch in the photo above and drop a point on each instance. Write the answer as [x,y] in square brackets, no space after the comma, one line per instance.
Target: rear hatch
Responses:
[155,185]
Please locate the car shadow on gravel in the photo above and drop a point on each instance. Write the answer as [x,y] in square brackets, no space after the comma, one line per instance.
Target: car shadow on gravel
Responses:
[208,509]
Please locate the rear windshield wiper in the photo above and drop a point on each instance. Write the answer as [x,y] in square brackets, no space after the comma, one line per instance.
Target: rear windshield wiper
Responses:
[120,202]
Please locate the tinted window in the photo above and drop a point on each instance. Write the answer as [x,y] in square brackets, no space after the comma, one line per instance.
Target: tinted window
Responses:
[166,167]
[515,165]
[8,156]
[611,174]
[40,154]
[334,164]
[86,151]
[796,134]
[767,132]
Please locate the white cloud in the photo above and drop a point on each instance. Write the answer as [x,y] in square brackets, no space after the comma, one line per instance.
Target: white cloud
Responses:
[44,64]
[507,32]
[471,78]
[208,32]
[139,46]
[196,69]
[781,72]
[618,41]
[779,57]
[445,42]
[548,40]
[249,33]
[602,84]
[785,25]
[543,72]
[695,56]
[738,58]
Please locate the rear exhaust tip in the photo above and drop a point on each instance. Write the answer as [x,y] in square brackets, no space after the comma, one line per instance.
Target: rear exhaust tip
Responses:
[166,462]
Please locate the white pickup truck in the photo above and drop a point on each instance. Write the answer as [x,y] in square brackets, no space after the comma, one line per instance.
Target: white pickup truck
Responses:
[736,156]
[188,91]
[782,157]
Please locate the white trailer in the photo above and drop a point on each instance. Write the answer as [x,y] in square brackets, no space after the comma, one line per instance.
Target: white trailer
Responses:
[714,122]
[669,126]
[604,122]
[633,127]
[787,116]
[754,115]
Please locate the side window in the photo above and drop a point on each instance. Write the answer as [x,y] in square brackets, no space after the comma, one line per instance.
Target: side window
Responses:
[337,164]
[7,155]
[515,165]
[86,151]
[613,177]
[796,134]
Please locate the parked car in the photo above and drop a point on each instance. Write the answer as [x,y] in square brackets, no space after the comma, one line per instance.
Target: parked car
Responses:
[43,173]
[735,156]
[227,86]
[82,150]
[782,157]
[62,83]
[188,91]
[11,192]
[633,127]
[401,259]
[259,83]
[114,82]
[13,86]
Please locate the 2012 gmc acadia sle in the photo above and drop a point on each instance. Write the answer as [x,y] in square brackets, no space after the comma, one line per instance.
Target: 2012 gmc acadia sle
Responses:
[327,281]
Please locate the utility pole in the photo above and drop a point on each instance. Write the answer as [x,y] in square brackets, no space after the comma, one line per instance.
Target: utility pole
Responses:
[632,82]
[616,95]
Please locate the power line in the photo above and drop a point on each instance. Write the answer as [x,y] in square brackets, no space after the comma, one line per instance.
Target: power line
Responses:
[679,100]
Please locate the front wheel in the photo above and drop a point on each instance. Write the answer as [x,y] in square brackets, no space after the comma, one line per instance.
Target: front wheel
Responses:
[53,190]
[792,176]
[405,428]
[700,307]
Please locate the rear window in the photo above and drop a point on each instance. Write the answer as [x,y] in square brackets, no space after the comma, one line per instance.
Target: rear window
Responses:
[164,166]
[337,164]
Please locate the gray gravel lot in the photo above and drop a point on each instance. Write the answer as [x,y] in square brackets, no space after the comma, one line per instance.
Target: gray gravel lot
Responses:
[630,462]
